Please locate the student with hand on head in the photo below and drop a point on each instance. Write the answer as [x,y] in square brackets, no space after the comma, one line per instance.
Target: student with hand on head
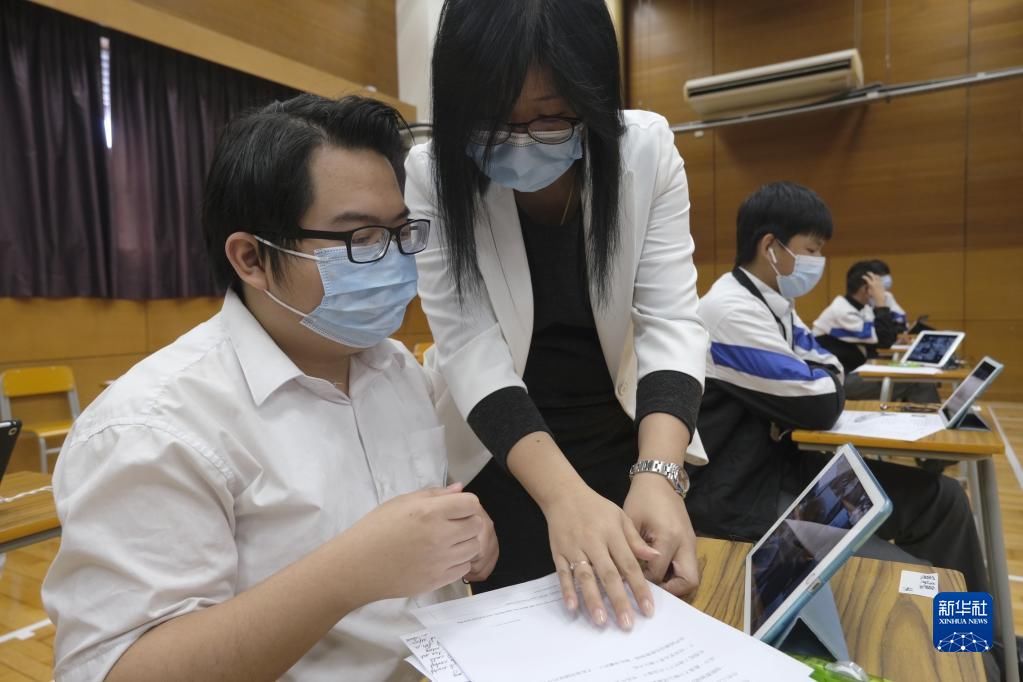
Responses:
[898,313]
[767,375]
[855,325]
[266,498]
[561,292]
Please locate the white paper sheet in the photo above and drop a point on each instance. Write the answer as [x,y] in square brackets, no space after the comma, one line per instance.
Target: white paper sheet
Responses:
[431,658]
[524,632]
[891,425]
[897,369]
[922,584]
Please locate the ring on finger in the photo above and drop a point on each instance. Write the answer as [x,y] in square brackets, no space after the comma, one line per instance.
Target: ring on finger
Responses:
[572,565]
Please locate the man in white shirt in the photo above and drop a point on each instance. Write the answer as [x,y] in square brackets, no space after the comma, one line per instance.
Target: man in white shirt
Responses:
[265,498]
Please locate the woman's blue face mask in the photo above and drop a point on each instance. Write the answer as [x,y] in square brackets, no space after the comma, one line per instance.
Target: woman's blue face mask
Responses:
[521,163]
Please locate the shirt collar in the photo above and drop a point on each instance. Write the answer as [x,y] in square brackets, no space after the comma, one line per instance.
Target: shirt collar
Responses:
[264,364]
[266,367]
[778,304]
[854,303]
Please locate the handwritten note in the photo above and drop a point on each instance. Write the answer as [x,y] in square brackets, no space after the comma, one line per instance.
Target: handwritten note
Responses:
[922,584]
[434,661]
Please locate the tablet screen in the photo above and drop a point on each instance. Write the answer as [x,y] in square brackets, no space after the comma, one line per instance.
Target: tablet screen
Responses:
[812,529]
[966,390]
[932,348]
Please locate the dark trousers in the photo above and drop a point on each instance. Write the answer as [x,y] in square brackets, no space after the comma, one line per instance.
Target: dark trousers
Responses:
[525,548]
[930,518]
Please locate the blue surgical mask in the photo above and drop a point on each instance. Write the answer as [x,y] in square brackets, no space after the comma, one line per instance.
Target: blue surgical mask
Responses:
[804,276]
[886,280]
[363,303]
[524,164]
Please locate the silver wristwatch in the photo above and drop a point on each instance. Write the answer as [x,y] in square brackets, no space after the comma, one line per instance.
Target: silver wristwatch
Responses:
[675,474]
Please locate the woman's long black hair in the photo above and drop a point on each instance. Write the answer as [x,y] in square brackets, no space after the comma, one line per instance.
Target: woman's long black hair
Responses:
[481,55]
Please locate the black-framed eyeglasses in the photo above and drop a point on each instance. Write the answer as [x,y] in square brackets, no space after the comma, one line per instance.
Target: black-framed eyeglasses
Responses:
[545,130]
[369,243]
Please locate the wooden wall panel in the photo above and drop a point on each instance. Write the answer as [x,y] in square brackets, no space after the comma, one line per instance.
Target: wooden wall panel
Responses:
[996,34]
[672,42]
[38,329]
[994,284]
[995,165]
[355,39]
[167,319]
[1001,340]
[414,329]
[748,34]
[909,41]
[892,174]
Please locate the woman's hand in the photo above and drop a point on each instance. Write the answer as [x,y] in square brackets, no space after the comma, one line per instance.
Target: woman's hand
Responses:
[483,563]
[595,545]
[659,514]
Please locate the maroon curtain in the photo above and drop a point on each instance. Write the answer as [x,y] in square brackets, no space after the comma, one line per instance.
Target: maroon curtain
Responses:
[53,188]
[168,109]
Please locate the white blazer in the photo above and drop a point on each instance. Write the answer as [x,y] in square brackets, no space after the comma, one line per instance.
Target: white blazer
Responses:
[649,324]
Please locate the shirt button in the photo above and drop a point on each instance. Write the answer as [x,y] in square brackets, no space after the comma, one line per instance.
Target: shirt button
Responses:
[621,390]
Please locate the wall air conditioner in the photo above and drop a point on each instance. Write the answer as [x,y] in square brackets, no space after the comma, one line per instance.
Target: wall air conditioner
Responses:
[776,85]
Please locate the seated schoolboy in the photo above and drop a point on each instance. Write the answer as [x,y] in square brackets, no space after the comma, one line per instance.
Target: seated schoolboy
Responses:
[265,497]
[855,325]
[767,375]
[898,312]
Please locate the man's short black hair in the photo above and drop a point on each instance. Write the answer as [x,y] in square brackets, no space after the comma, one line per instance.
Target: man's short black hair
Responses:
[854,277]
[259,178]
[783,209]
[880,267]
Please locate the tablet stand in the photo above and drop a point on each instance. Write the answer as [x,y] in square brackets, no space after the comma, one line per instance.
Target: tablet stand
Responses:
[816,629]
[972,422]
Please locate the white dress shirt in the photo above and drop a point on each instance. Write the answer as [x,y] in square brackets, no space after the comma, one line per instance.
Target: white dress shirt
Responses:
[215,463]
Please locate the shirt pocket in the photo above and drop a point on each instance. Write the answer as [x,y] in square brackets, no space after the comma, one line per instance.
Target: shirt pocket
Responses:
[428,451]
[406,462]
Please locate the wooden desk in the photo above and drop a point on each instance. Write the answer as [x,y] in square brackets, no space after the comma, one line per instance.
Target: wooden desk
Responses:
[977,449]
[875,371]
[888,633]
[29,519]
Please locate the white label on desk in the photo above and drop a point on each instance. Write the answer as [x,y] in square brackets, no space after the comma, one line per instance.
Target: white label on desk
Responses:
[923,584]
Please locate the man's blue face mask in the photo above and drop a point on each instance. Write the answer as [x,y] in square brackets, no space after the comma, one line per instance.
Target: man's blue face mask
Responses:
[363,303]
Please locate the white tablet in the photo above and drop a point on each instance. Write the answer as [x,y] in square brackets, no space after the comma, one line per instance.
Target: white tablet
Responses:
[842,507]
[959,403]
[933,349]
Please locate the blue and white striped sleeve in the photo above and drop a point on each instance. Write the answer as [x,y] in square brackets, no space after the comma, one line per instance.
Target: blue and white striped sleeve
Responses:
[843,322]
[752,361]
[806,347]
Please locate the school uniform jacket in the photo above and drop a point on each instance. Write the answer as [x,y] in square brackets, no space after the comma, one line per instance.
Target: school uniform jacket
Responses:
[766,375]
[853,331]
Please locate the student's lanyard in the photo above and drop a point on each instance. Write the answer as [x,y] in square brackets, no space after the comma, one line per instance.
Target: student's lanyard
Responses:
[748,284]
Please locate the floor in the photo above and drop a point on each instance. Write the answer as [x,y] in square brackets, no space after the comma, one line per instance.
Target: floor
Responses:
[26,636]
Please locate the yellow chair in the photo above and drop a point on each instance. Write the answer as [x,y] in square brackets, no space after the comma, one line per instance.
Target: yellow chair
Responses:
[419,350]
[37,381]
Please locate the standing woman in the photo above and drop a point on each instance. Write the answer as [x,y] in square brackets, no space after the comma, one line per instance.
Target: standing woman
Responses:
[561,293]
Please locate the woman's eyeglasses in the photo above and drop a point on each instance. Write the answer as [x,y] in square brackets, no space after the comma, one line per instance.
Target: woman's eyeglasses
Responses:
[545,130]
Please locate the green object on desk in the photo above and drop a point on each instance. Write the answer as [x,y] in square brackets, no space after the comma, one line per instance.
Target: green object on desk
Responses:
[822,674]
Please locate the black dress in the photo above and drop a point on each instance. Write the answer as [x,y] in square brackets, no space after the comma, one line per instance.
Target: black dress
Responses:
[571,395]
